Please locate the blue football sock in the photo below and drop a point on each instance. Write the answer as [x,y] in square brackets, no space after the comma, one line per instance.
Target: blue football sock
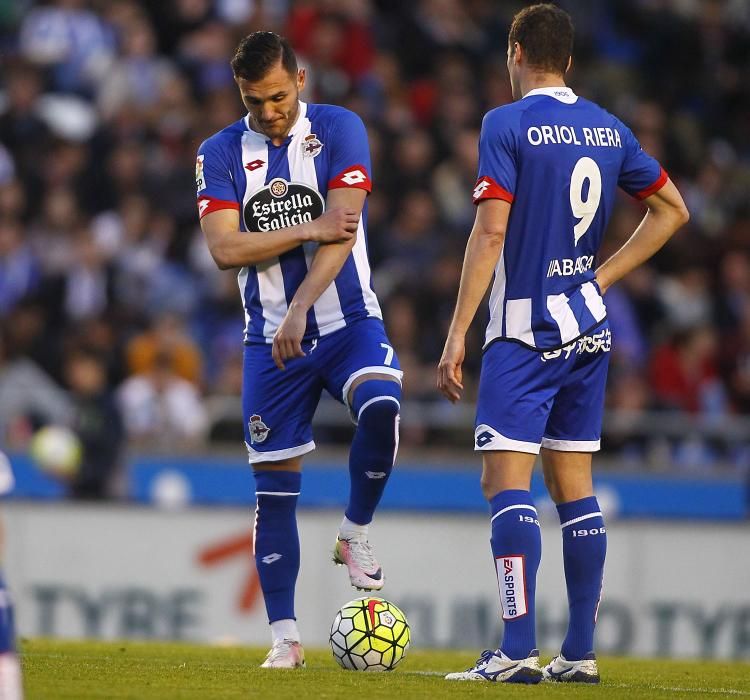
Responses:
[584,549]
[277,540]
[376,405]
[517,547]
[7,631]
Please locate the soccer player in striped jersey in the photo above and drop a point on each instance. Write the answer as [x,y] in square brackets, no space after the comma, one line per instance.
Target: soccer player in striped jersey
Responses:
[10,667]
[281,195]
[549,167]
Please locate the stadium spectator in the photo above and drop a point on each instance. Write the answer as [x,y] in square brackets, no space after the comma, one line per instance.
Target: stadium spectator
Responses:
[165,337]
[139,75]
[96,421]
[19,267]
[735,362]
[74,41]
[29,397]
[161,410]
[685,375]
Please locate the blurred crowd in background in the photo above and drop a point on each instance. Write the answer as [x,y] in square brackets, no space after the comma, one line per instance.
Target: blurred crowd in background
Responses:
[114,318]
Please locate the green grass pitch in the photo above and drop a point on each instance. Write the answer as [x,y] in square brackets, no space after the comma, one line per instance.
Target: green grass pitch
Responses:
[151,670]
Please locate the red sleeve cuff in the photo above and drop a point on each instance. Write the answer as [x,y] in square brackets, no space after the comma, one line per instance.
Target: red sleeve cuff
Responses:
[487,188]
[353,176]
[651,189]
[207,205]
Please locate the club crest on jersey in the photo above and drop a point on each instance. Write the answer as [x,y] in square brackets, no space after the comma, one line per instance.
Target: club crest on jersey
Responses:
[280,204]
[257,428]
[200,181]
[278,187]
[311,146]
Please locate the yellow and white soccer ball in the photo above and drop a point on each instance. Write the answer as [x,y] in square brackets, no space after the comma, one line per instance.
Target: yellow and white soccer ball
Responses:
[56,450]
[369,634]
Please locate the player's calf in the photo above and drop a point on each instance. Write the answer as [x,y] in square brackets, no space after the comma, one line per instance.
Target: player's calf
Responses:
[375,404]
[277,552]
[517,547]
[584,550]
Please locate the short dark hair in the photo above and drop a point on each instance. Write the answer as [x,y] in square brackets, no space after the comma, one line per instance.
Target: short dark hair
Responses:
[258,52]
[545,32]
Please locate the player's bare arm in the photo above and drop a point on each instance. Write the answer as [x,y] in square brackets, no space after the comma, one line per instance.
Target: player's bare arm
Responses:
[326,264]
[231,247]
[666,214]
[482,253]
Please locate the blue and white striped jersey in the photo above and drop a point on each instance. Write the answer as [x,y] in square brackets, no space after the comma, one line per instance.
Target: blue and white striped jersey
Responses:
[558,159]
[277,186]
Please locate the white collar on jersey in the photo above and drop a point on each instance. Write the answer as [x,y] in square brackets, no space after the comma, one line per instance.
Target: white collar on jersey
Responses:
[297,122]
[562,93]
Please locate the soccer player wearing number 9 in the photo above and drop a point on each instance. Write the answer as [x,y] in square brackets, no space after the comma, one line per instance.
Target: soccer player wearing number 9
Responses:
[549,167]
[281,195]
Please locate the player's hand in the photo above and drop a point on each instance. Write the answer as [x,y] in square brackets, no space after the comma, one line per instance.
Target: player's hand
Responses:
[337,225]
[287,342]
[449,374]
[603,286]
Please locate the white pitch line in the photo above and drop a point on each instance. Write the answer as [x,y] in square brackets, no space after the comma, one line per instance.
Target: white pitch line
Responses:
[714,691]
[422,673]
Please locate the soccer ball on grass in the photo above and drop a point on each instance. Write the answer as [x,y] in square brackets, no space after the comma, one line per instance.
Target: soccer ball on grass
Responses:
[369,634]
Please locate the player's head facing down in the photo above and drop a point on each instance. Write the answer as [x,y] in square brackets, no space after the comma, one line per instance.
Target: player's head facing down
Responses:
[540,44]
[266,72]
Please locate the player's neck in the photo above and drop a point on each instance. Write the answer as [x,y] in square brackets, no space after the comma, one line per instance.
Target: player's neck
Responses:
[534,80]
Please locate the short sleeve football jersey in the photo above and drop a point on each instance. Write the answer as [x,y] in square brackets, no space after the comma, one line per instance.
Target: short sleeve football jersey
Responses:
[274,187]
[559,160]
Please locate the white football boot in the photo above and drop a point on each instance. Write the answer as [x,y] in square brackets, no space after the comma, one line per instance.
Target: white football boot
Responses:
[496,667]
[285,653]
[364,571]
[583,671]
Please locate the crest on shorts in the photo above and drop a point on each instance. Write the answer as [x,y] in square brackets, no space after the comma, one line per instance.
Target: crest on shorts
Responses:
[257,428]
[311,146]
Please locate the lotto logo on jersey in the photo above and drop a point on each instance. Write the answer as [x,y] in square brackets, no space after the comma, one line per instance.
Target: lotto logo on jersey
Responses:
[203,205]
[280,204]
[511,581]
[480,188]
[487,188]
[355,176]
[200,181]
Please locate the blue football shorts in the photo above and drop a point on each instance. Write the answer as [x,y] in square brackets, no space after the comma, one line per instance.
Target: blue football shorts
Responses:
[530,399]
[278,406]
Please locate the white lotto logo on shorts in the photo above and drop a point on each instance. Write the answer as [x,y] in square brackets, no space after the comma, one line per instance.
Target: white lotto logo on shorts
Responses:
[511,580]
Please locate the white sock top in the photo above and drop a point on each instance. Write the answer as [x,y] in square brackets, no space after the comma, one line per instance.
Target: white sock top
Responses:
[284,629]
[348,529]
